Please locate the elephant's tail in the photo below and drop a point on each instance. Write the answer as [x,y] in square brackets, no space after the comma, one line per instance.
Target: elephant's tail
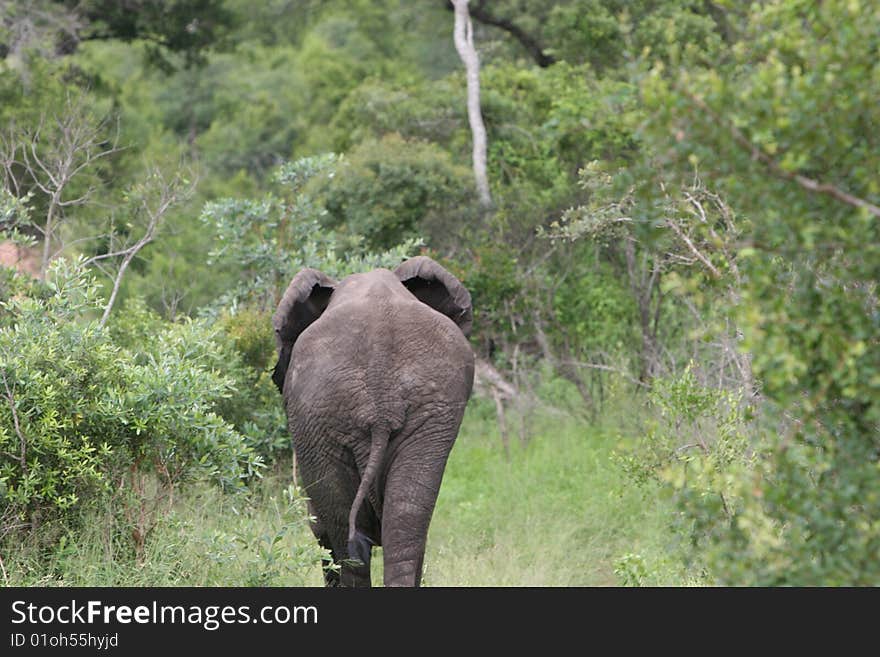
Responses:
[358,544]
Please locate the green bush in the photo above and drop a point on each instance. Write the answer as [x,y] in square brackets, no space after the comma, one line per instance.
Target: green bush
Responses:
[696,445]
[82,414]
[497,290]
[251,333]
[256,408]
[595,310]
[779,128]
[416,110]
[390,190]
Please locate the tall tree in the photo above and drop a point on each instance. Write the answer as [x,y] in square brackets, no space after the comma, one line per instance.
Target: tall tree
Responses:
[463,35]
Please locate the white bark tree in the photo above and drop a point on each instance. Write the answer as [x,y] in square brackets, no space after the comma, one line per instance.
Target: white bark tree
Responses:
[463,36]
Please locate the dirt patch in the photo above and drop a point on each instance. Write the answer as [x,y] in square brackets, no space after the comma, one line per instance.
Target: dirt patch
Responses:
[23,259]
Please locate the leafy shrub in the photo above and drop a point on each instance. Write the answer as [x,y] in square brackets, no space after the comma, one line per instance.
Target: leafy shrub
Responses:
[390,190]
[81,414]
[497,289]
[15,218]
[50,369]
[698,449]
[266,241]
[809,266]
[251,333]
[606,33]
[256,409]
[427,112]
[595,310]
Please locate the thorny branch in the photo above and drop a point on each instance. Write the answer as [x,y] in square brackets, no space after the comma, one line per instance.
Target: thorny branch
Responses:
[693,249]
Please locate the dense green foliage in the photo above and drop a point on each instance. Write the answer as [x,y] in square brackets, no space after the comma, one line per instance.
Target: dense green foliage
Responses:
[782,129]
[682,247]
[89,414]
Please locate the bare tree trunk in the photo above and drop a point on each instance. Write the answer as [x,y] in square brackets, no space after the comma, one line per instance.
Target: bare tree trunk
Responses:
[47,235]
[643,284]
[463,35]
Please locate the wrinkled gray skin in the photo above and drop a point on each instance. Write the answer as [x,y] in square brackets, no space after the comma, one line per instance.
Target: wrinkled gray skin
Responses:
[375,372]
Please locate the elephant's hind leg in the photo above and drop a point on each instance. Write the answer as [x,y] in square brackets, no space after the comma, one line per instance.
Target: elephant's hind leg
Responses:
[350,570]
[331,488]
[411,489]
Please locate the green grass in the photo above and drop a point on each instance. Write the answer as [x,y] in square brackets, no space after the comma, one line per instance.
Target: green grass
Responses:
[207,539]
[558,512]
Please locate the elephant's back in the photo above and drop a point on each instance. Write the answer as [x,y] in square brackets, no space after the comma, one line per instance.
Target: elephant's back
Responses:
[380,356]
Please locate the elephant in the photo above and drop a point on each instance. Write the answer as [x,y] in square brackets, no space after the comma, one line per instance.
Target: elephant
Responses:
[375,372]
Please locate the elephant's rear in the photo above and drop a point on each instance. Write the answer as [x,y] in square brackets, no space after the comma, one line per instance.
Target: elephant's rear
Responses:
[379,360]
[376,372]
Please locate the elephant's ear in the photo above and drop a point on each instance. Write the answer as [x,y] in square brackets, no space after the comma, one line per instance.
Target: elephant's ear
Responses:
[435,286]
[306,298]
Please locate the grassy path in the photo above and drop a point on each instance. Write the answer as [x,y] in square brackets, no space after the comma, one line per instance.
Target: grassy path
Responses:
[558,513]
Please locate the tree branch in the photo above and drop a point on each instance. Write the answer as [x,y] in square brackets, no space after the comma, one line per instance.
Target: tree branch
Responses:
[541,57]
[527,41]
[169,193]
[57,151]
[693,249]
[607,368]
[773,166]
